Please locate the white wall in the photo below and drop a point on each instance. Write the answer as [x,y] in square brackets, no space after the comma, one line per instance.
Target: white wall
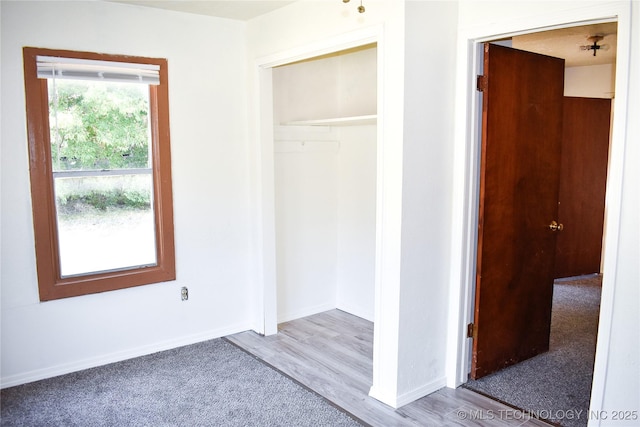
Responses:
[306,184]
[325,219]
[618,355]
[210,187]
[426,199]
[593,81]
[339,85]
[355,272]
[306,90]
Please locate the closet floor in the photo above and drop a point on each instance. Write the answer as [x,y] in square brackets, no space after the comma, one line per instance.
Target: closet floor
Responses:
[331,354]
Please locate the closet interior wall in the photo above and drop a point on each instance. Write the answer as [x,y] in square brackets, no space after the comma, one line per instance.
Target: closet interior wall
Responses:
[325,184]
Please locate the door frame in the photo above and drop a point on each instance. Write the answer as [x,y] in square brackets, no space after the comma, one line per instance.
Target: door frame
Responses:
[466,177]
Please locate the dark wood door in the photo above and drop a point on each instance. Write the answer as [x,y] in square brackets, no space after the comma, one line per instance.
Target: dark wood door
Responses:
[520,165]
[583,179]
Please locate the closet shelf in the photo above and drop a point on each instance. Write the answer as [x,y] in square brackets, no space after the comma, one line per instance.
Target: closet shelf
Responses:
[338,121]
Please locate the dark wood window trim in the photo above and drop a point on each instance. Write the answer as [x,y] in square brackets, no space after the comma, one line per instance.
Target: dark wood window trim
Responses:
[51,284]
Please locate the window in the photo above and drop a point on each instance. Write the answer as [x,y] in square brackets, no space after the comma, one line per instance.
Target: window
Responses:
[100,167]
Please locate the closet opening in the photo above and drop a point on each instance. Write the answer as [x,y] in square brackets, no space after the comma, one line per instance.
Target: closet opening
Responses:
[325,177]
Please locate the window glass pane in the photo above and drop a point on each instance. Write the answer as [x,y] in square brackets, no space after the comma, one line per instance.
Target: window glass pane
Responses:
[102,175]
[104,223]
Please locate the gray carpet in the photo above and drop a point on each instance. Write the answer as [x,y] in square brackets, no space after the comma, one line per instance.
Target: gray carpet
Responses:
[556,385]
[207,384]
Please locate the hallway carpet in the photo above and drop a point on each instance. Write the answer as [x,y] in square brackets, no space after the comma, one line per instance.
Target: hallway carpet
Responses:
[556,385]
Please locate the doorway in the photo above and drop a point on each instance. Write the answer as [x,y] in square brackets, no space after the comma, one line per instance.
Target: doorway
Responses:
[596,315]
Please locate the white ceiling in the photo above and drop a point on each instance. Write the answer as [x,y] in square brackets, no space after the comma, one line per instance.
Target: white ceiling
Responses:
[241,10]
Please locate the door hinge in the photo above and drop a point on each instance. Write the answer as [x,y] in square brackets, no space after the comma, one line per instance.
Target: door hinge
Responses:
[481,83]
[470,330]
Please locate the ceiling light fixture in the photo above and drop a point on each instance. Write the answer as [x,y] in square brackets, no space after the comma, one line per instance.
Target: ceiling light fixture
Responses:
[595,46]
[360,8]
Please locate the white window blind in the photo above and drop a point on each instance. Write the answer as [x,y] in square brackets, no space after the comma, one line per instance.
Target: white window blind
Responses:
[84,69]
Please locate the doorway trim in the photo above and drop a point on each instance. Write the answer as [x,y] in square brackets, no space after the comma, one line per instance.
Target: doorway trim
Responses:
[266,309]
[466,179]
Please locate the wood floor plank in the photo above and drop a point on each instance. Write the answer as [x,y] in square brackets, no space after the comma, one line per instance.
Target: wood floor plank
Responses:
[331,354]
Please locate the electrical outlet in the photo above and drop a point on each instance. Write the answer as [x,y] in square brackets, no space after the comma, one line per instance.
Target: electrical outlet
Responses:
[184,293]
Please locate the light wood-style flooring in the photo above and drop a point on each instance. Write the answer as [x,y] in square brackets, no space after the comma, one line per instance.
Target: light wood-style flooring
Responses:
[331,354]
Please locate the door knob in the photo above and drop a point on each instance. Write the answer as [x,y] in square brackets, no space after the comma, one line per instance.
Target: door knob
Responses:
[554,226]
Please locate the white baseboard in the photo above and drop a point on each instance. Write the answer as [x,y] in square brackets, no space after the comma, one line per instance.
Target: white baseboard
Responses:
[421,391]
[384,396]
[397,401]
[357,310]
[79,365]
[304,312]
